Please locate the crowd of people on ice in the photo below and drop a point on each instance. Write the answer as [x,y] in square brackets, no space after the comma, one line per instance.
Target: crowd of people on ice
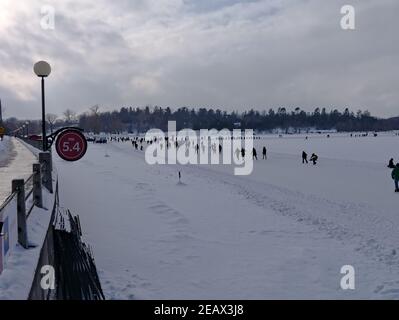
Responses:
[138,143]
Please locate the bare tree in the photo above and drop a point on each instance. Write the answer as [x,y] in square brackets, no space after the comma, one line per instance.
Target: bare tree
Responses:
[51,118]
[94,121]
[95,110]
[69,115]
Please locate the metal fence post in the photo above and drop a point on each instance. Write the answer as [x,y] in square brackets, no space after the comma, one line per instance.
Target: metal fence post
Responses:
[46,162]
[37,186]
[19,187]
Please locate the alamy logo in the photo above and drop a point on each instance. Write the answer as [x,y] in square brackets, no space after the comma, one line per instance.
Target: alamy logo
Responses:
[348,19]
[348,280]
[47,21]
[47,281]
[207,147]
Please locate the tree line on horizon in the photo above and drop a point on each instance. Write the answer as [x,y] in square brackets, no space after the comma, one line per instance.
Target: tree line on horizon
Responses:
[142,119]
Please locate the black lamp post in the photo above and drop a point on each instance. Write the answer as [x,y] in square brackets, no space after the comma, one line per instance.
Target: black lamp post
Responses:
[43,70]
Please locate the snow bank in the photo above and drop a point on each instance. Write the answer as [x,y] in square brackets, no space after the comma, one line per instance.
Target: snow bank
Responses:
[17,277]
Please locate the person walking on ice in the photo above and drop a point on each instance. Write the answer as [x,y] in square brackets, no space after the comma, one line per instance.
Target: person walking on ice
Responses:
[304,157]
[254,154]
[264,153]
[395,177]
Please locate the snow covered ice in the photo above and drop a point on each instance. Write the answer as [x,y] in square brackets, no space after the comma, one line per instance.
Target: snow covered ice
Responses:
[285,231]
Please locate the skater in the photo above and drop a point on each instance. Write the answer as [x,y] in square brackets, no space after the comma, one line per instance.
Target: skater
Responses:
[254,154]
[395,177]
[391,165]
[264,153]
[179,176]
[243,153]
[314,158]
[304,157]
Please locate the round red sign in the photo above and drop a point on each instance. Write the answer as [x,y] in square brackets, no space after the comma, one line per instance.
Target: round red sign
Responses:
[71,145]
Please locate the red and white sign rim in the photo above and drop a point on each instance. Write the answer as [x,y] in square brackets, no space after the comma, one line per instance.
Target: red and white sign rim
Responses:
[76,134]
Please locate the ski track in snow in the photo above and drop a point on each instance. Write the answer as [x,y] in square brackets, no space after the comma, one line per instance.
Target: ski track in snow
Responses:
[357,220]
[351,223]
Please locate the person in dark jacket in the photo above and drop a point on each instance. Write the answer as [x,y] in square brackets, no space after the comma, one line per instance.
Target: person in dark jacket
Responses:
[391,165]
[254,154]
[314,158]
[395,177]
[304,157]
[264,152]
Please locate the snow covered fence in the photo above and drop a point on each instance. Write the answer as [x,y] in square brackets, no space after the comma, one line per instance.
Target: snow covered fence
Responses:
[46,258]
[34,143]
[75,269]
[14,212]
[8,229]
[75,273]
[62,251]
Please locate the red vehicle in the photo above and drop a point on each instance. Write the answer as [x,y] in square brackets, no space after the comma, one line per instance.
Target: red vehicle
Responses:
[35,137]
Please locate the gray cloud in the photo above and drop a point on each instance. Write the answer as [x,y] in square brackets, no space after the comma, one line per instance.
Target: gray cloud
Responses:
[228,54]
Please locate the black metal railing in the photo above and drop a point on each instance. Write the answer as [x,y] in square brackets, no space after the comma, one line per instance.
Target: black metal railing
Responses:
[76,276]
[75,271]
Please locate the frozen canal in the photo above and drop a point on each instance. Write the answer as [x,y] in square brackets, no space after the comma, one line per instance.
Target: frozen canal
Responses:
[283,232]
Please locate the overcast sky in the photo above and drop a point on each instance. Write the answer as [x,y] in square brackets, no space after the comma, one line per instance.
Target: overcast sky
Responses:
[227,54]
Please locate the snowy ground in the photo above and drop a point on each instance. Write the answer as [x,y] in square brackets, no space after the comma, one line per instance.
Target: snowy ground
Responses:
[17,277]
[15,163]
[283,232]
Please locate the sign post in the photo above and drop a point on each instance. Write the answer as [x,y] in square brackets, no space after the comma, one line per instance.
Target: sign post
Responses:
[71,145]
